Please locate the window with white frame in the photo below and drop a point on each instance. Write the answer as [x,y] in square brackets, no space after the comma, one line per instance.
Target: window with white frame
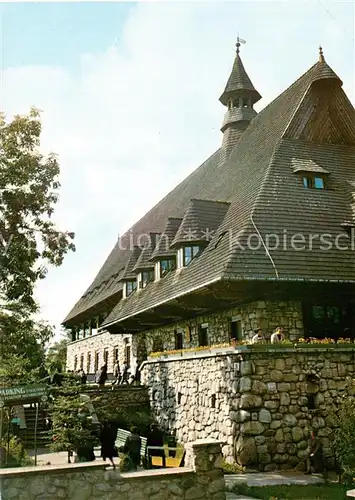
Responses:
[166,265]
[129,287]
[189,253]
[145,277]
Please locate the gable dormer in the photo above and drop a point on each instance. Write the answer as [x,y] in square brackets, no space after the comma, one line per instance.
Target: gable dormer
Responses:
[164,257]
[129,277]
[200,221]
[312,175]
[144,267]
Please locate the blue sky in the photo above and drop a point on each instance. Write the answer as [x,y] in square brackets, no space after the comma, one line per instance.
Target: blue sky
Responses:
[129,95]
[58,33]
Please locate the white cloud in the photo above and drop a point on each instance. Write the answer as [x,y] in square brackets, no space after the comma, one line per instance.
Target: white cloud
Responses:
[131,122]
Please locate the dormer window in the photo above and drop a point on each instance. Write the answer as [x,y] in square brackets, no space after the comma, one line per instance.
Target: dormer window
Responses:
[189,253]
[313,182]
[145,277]
[166,265]
[129,287]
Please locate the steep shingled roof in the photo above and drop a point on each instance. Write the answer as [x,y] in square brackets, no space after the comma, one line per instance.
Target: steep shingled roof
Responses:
[251,180]
[201,219]
[266,197]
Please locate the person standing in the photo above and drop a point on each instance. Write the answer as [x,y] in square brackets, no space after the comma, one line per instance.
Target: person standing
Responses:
[315,459]
[101,376]
[116,373]
[132,447]
[124,376]
[277,336]
[258,337]
[83,377]
[155,439]
[107,438]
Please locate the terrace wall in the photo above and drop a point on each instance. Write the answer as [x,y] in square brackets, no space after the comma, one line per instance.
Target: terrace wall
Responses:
[265,314]
[201,479]
[256,399]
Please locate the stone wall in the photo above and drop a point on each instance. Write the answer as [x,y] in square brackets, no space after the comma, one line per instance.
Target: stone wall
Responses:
[98,343]
[261,401]
[267,315]
[122,397]
[201,479]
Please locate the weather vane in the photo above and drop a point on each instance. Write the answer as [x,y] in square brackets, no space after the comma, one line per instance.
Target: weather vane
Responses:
[239,41]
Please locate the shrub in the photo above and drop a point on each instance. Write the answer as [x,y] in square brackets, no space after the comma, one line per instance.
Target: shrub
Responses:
[17,455]
[345,438]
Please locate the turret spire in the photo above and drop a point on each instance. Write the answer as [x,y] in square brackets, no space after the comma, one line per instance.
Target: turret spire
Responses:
[239,96]
[321,56]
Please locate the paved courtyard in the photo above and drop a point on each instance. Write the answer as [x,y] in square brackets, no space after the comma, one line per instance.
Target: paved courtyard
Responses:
[270,479]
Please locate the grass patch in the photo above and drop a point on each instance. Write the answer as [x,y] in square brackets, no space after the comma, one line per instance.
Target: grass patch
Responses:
[331,491]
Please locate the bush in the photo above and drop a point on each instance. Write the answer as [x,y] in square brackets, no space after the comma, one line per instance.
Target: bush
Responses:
[71,421]
[17,456]
[345,438]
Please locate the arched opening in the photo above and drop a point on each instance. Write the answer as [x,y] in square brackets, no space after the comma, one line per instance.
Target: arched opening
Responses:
[312,388]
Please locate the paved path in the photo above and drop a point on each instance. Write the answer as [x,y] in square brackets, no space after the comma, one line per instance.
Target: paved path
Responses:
[270,479]
[44,457]
[233,496]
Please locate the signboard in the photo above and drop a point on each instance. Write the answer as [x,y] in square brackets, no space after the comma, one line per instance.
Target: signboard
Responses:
[22,393]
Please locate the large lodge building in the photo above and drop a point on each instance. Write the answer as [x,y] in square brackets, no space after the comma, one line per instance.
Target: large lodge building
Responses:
[261,234]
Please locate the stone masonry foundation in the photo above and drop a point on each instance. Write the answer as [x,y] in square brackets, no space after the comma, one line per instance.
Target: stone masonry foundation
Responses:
[260,401]
[201,479]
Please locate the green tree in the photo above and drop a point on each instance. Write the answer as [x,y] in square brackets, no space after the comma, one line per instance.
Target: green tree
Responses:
[29,239]
[22,347]
[345,437]
[29,242]
[56,356]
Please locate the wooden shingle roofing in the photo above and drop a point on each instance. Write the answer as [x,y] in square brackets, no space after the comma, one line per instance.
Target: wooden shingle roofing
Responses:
[265,196]
[238,81]
[306,165]
[129,273]
[144,260]
[163,248]
[200,221]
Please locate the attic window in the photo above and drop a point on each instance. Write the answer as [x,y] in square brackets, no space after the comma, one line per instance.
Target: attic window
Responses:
[130,287]
[166,266]
[144,278]
[313,181]
[189,253]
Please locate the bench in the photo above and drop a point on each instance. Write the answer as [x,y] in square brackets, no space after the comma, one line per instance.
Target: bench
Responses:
[121,440]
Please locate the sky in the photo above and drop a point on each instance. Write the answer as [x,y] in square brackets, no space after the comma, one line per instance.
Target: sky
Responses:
[129,98]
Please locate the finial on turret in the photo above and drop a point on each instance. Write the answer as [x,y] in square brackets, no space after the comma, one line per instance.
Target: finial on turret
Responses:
[239,41]
[321,56]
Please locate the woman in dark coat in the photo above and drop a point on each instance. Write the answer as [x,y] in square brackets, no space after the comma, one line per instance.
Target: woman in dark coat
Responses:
[101,376]
[108,437]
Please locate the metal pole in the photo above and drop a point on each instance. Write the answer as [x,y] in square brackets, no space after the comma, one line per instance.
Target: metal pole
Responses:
[36,423]
[8,434]
[1,421]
